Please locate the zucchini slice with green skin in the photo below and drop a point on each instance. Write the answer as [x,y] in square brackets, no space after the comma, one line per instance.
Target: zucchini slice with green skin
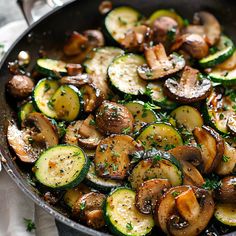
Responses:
[66,103]
[188,117]
[161,165]
[42,94]
[166,12]
[51,68]
[25,110]
[159,135]
[122,217]
[123,74]
[72,195]
[62,167]
[226,214]
[141,114]
[225,49]
[218,109]
[119,21]
[158,96]
[99,183]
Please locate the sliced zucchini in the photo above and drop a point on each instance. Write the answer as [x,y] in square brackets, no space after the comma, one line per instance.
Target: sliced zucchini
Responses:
[123,74]
[42,94]
[66,103]
[62,166]
[96,66]
[219,107]
[120,20]
[166,12]
[25,110]
[225,49]
[188,117]
[72,195]
[158,96]
[141,114]
[162,165]
[159,135]
[51,68]
[101,184]
[112,156]
[226,213]
[123,218]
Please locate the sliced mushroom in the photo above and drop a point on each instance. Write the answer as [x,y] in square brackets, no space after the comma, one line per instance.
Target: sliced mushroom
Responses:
[88,209]
[189,157]
[92,97]
[149,193]
[71,133]
[87,135]
[75,44]
[137,38]
[20,86]
[190,88]
[226,193]
[95,38]
[159,64]
[165,29]
[113,118]
[194,29]
[23,150]
[193,44]
[210,24]
[185,210]
[231,124]
[211,145]
[227,164]
[74,69]
[76,80]
[47,132]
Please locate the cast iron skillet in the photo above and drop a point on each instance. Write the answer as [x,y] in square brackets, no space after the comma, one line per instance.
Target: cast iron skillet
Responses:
[50,32]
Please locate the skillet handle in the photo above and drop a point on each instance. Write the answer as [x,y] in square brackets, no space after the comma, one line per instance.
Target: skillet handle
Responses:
[28,6]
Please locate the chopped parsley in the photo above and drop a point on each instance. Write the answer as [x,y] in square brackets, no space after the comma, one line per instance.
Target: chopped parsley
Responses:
[213,50]
[211,183]
[114,167]
[126,130]
[225,158]
[30,225]
[92,122]
[82,206]
[156,158]
[169,146]
[175,193]
[186,22]
[129,226]
[171,34]
[148,92]
[150,106]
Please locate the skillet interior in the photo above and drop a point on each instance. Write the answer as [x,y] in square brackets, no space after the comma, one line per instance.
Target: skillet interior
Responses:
[50,31]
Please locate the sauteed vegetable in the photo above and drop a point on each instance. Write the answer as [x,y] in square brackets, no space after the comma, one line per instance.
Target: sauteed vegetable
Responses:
[133,129]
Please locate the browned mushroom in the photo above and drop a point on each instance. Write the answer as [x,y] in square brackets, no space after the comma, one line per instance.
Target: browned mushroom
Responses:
[159,64]
[210,24]
[88,209]
[194,29]
[71,133]
[226,192]
[137,38]
[76,80]
[92,97]
[114,118]
[75,44]
[165,29]
[189,157]
[149,193]
[193,44]
[227,165]
[190,88]
[184,210]
[74,69]
[211,146]
[231,124]
[95,38]
[20,86]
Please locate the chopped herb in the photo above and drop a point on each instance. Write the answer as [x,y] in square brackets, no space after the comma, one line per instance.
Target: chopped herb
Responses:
[127,97]
[156,158]
[129,226]
[199,145]
[126,130]
[149,73]
[234,108]
[76,154]
[148,92]
[169,146]
[171,34]
[221,116]
[213,50]
[186,22]
[82,206]
[225,158]
[61,127]
[175,193]
[115,154]
[114,167]
[136,156]
[50,104]
[92,122]
[211,183]
[122,22]
[150,106]
[30,140]
[30,225]
[163,116]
